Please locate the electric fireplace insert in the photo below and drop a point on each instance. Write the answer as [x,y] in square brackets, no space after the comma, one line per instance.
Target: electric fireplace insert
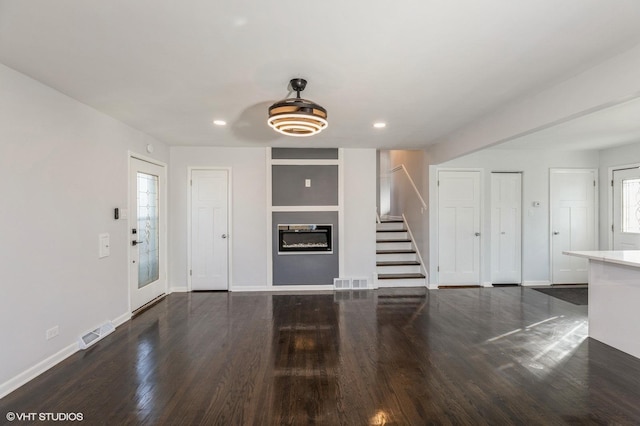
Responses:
[304,239]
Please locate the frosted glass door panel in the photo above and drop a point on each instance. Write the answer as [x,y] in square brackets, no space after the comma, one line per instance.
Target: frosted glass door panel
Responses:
[631,205]
[148,264]
[626,209]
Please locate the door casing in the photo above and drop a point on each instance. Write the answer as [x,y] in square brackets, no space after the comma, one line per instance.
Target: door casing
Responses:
[478,225]
[229,224]
[515,275]
[594,226]
[132,223]
[612,220]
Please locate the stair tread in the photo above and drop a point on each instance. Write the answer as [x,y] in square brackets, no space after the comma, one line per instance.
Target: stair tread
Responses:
[391,230]
[395,251]
[398,263]
[394,241]
[399,276]
[391,221]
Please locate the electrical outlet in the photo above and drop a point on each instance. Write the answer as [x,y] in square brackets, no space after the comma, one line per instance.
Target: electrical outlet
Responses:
[52,332]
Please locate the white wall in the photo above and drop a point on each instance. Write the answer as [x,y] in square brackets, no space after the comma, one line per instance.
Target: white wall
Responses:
[249,212]
[619,156]
[248,233]
[359,213]
[534,165]
[404,199]
[63,169]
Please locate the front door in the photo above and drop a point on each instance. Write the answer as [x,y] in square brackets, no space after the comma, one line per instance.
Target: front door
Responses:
[459,227]
[209,230]
[626,209]
[573,225]
[147,225]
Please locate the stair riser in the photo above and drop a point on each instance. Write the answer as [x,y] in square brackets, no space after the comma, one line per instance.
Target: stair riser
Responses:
[392,225]
[393,246]
[398,269]
[391,257]
[407,282]
[392,236]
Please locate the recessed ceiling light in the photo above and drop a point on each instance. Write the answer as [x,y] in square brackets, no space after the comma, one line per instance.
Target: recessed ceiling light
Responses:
[219,122]
[379,125]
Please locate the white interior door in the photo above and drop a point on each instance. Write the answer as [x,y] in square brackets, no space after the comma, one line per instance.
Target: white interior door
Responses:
[506,228]
[209,230]
[626,209]
[459,227]
[573,225]
[147,230]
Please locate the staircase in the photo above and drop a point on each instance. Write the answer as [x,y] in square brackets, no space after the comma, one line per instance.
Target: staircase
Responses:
[397,262]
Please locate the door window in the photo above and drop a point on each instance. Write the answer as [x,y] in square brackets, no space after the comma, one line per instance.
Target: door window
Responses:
[631,205]
[149,260]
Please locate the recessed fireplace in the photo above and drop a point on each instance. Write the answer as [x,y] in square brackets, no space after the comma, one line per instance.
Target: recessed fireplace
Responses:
[304,239]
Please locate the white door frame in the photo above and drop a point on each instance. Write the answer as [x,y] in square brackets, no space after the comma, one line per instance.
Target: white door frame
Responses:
[190,169]
[521,173]
[163,234]
[435,206]
[610,199]
[595,212]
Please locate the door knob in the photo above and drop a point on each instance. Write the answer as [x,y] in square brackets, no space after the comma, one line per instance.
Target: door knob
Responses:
[477,234]
[224,235]
[556,232]
[135,243]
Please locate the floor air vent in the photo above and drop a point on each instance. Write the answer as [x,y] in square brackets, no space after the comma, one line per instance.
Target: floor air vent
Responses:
[342,283]
[94,336]
[360,283]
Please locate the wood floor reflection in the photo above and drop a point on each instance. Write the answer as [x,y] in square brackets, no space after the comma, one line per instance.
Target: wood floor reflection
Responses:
[386,357]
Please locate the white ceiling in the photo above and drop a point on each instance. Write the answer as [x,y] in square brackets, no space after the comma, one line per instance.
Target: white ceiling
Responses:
[426,67]
[608,127]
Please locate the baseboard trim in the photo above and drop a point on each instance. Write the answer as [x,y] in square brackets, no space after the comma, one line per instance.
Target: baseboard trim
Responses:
[535,283]
[238,289]
[31,373]
[117,322]
[487,284]
[182,289]
[432,286]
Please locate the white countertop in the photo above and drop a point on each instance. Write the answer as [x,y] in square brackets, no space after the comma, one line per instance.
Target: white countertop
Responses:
[621,257]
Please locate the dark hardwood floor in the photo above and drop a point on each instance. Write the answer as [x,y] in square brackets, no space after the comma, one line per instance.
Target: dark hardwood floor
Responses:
[390,357]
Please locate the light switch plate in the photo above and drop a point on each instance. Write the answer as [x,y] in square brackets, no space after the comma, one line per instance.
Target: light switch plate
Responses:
[307,183]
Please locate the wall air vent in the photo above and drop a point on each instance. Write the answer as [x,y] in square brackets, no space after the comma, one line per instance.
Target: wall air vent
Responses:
[94,336]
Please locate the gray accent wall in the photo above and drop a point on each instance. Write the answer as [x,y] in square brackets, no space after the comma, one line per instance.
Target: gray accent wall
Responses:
[305,269]
[289,185]
[304,153]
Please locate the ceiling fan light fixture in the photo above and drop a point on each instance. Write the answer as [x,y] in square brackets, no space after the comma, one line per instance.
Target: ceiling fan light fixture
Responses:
[297,116]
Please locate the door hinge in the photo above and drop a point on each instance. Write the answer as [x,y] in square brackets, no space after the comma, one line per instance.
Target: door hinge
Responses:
[612,228]
[612,183]
[191,182]
[190,272]
[438,183]
[594,183]
[438,268]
